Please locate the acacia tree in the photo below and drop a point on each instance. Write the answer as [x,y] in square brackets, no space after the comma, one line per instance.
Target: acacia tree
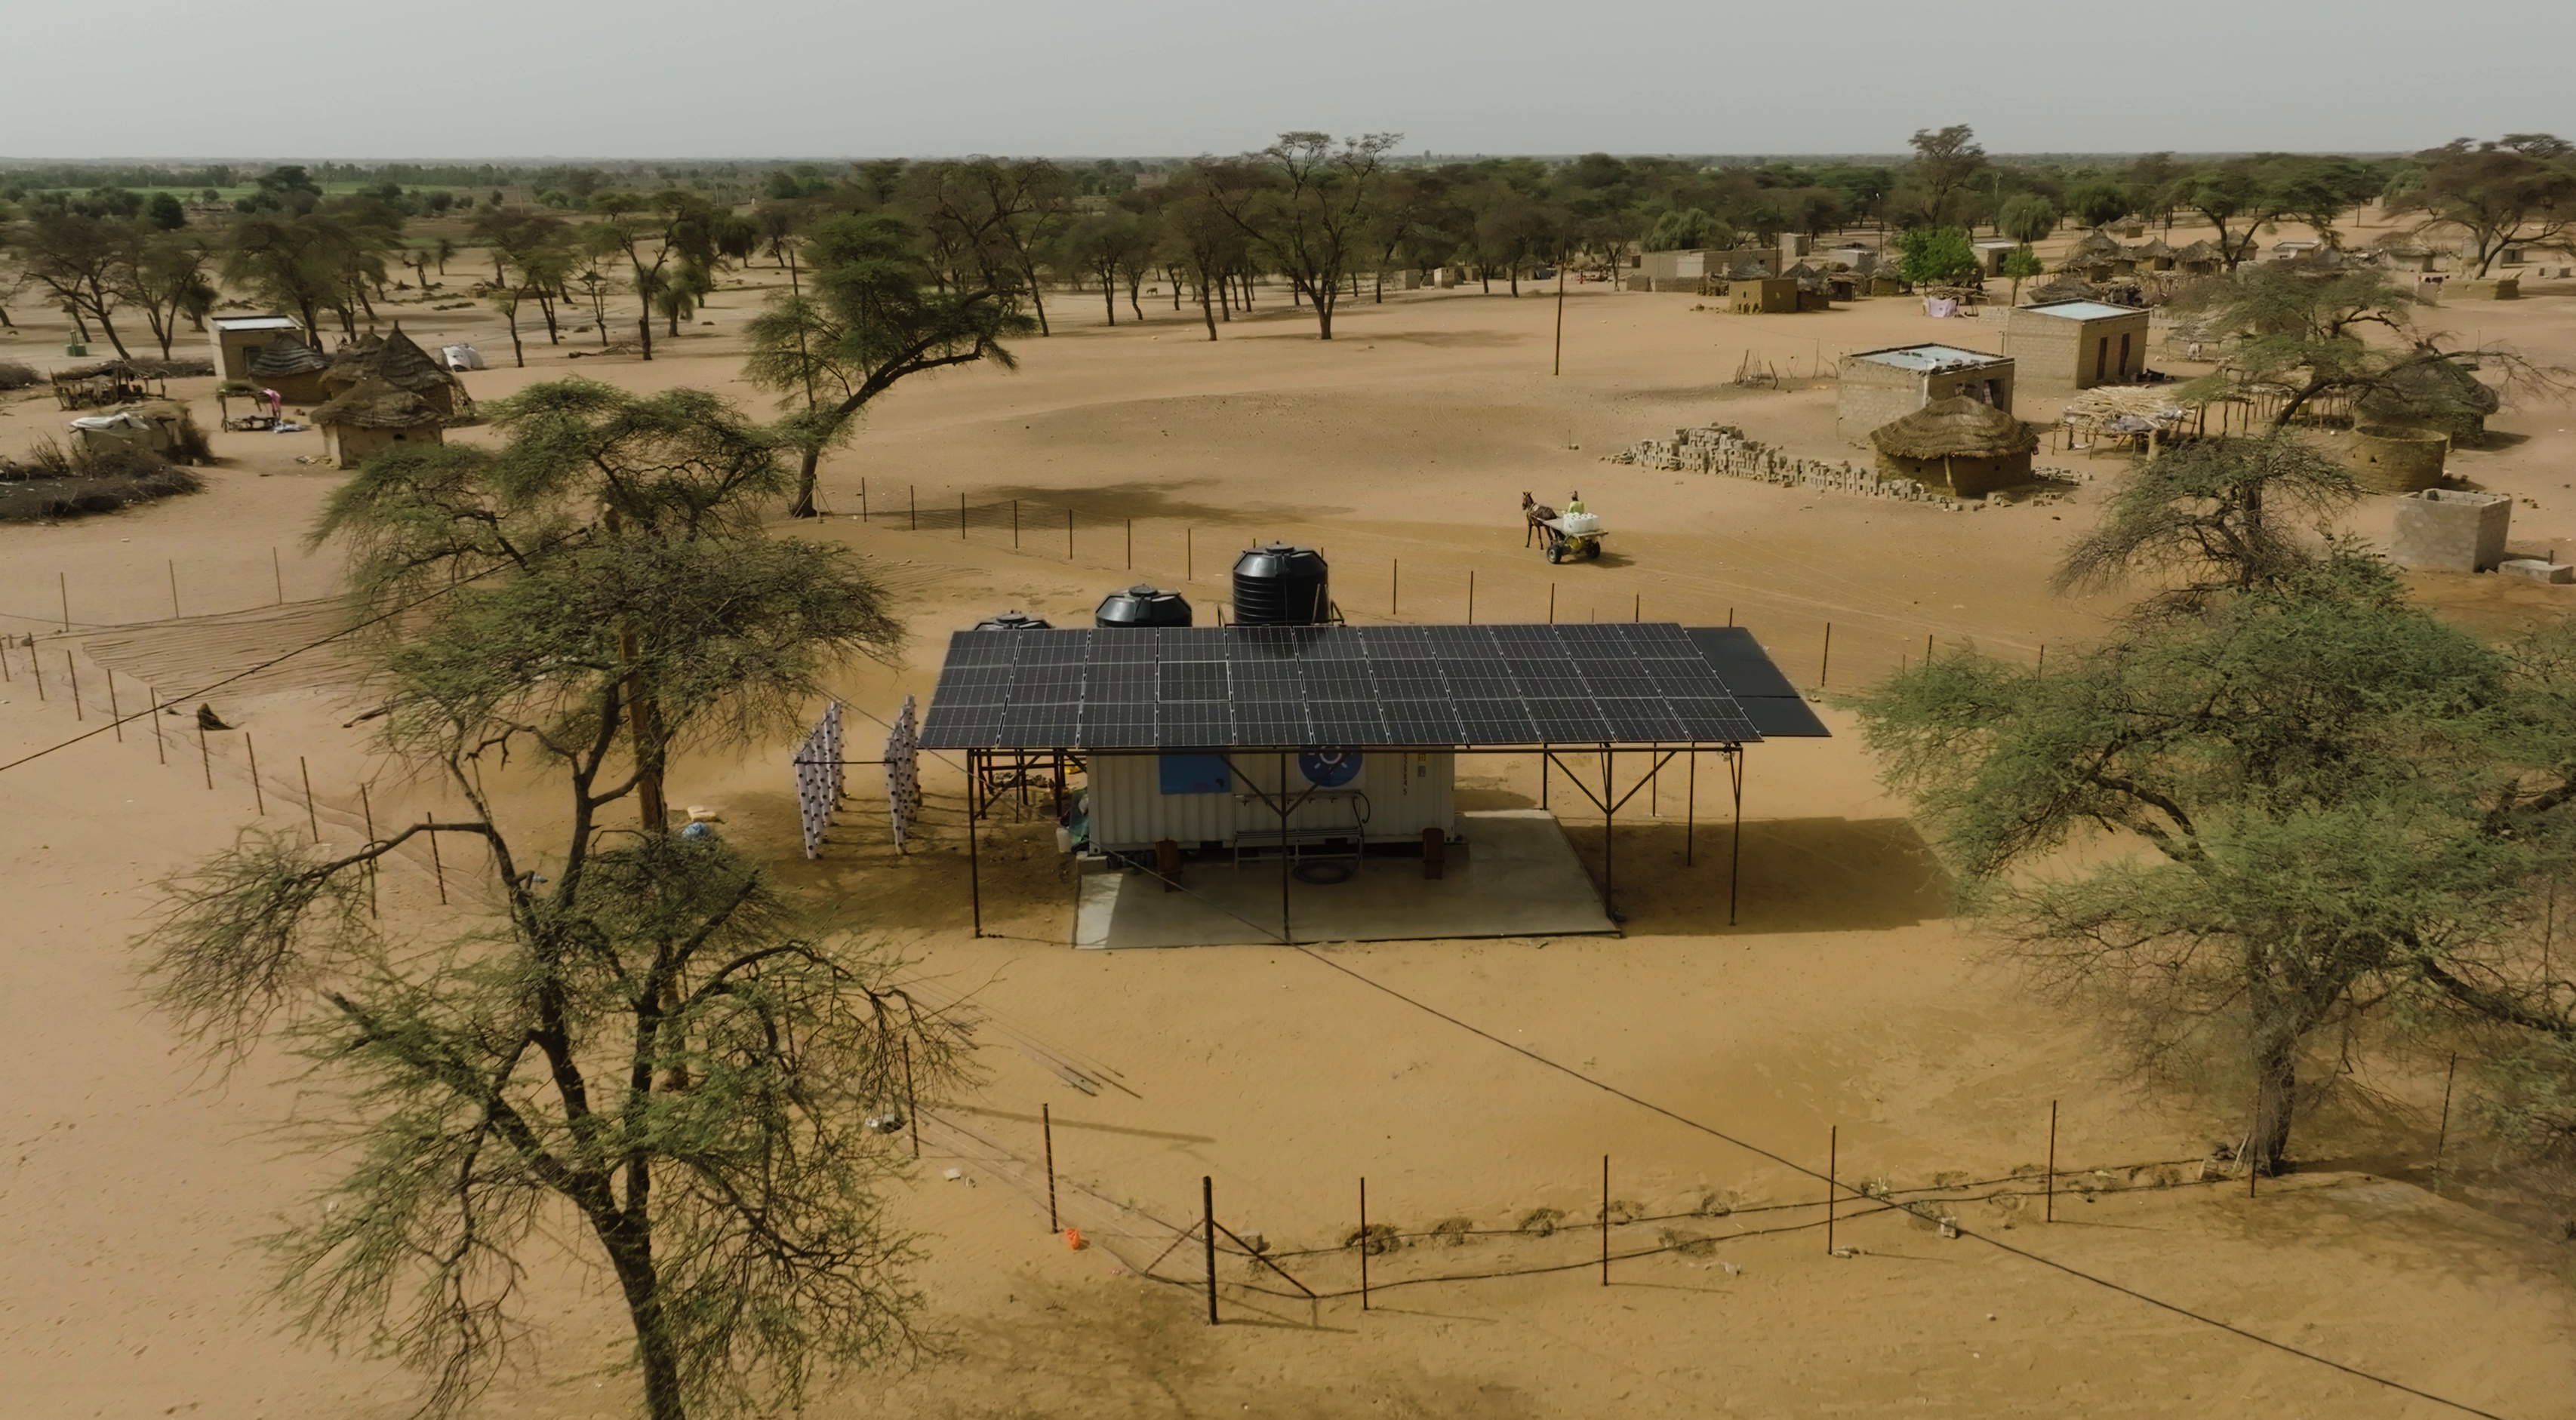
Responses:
[1201,241]
[873,319]
[85,262]
[166,280]
[664,238]
[2516,191]
[1310,205]
[2310,333]
[2328,810]
[634,1043]
[2238,197]
[1946,160]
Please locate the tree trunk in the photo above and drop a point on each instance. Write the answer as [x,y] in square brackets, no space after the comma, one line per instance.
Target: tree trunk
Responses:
[1037,298]
[518,352]
[2276,1088]
[1207,308]
[1135,290]
[806,468]
[630,1254]
[1109,296]
[108,329]
[644,323]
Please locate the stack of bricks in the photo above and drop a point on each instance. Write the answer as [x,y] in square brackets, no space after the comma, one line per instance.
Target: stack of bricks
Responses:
[1724,449]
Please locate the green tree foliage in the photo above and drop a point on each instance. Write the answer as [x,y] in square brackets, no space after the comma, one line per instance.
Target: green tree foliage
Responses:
[668,242]
[1690,229]
[2348,332]
[1936,256]
[2308,810]
[2516,191]
[2099,202]
[873,319]
[165,212]
[1946,161]
[323,260]
[1308,204]
[83,262]
[2026,217]
[636,1050]
[2021,265]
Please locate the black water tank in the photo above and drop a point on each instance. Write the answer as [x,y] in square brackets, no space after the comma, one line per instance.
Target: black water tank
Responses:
[1280,584]
[1141,605]
[1015,621]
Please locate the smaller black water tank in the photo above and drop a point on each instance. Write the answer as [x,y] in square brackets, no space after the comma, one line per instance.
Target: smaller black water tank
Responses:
[1015,621]
[1141,605]
[1281,584]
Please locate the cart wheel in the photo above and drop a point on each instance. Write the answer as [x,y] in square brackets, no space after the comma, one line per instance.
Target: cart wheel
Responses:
[1556,554]
[1593,551]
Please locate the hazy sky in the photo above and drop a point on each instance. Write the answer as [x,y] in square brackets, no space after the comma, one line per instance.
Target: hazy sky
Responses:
[648,78]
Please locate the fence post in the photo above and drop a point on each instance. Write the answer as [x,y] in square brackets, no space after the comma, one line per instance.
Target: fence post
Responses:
[279,569]
[1394,583]
[1364,1242]
[258,796]
[115,716]
[1068,534]
[1046,1121]
[1471,596]
[1131,544]
[961,517]
[205,756]
[437,869]
[1207,1230]
[174,588]
[911,1106]
[72,668]
[1833,1163]
[368,808]
[2051,1214]
[312,815]
[913,496]
[1605,1220]
[1824,668]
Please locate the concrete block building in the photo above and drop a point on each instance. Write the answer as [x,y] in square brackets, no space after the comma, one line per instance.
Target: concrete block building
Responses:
[1763,296]
[2447,530]
[2077,344]
[237,338]
[1879,387]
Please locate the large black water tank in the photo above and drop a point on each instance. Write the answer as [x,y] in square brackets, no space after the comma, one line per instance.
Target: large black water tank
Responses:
[1141,605]
[1280,584]
[1015,621]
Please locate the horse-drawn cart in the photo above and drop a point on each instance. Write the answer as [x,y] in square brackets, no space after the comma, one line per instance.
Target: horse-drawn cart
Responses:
[1563,537]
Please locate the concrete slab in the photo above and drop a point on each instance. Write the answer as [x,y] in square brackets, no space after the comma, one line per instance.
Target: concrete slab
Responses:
[1514,875]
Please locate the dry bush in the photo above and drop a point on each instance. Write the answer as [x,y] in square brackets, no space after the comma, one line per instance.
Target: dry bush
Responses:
[52,483]
[16,376]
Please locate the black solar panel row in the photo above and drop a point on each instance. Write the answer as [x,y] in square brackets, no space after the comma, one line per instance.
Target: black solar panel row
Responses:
[1290,687]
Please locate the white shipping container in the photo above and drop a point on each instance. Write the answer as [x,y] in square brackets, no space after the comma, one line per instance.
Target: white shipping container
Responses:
[1395,795]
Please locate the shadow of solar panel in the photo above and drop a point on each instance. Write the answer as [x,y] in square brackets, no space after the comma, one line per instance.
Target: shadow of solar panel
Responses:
[1712,718]
[1496,722]
[1183,681]
[984,648]
[1347,722]
[1272,723]
[1046,685]
[1194,726]
[1639,718]
[1420,722]
[1564,720]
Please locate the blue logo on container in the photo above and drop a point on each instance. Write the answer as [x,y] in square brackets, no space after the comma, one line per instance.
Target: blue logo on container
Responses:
[1329,768]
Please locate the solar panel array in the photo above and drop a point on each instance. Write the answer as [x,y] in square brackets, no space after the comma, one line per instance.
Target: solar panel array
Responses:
[1286,687]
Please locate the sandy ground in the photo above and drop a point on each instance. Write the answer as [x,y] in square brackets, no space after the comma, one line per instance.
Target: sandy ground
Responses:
[1464,1080]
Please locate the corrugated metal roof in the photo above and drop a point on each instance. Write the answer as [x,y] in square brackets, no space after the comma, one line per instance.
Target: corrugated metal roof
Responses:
[1930,357]
[2083,310]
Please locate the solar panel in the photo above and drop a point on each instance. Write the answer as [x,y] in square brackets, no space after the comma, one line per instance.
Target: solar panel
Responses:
[1267,687]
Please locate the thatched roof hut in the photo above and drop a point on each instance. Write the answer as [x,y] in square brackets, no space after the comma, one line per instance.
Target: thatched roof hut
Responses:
[292,368]
[373,414]
[1966,444]
[398,361]
[2437,394]
[2200,257]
